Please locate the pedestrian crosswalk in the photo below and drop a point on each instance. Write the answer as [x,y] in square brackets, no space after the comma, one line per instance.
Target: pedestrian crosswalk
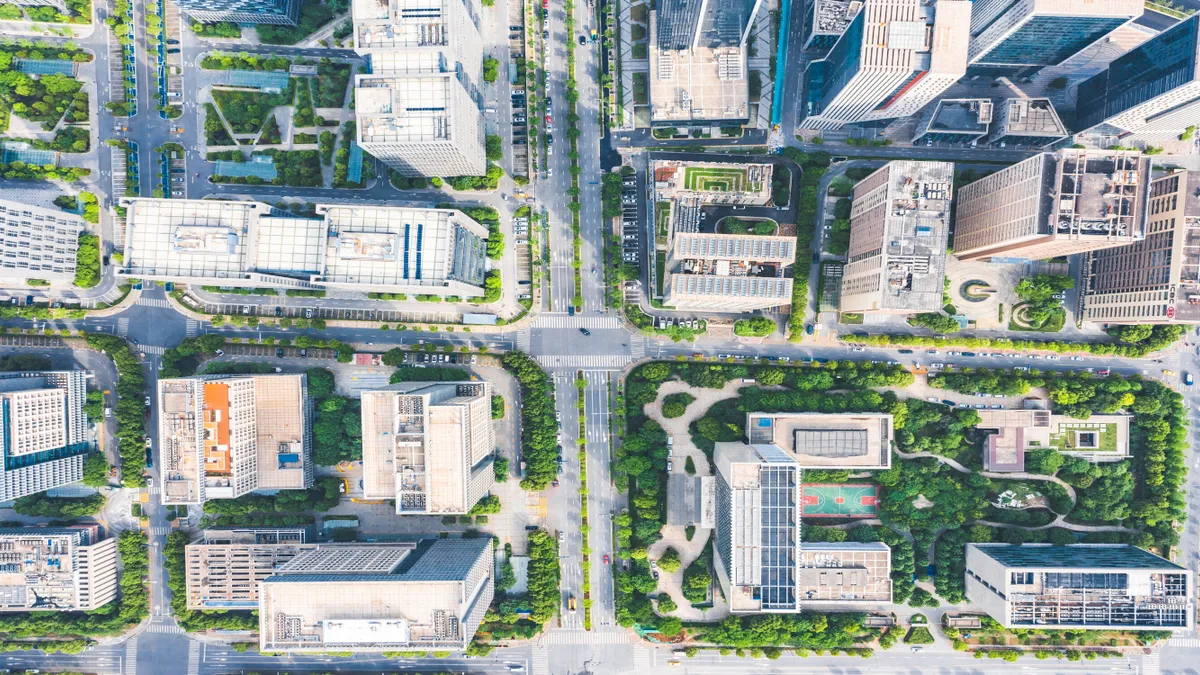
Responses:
[540,663]
[123,327]
[1184,642]
[641,659]
[154,302]
[152,488]
[160,531]
[523,340]
[637,348]
[604,361]
[586,637]
[193,328]
[1150,664]
[152,349]
[131,656]
[588,321]
[194,658]
[163,628]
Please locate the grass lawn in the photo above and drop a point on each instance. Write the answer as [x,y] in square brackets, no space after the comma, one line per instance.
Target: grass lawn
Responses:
[640,51]
[1053,324]
[641,91]
[639,12]
[662,220]
[1064,440]
[660,269]
[712,179]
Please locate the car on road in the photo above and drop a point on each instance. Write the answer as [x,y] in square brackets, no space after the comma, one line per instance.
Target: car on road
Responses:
[932,399]
[934,366]
[570,310]
[949,402]
[1169,373]
[308,313]
[583,39]
[1187,379]
[553,483]
[279,353]
[996,406]
[532,528]
[562,537]
[859,349]
[149,443]
[970,354]
[220,352]
[906,351]
[606,560]
[558,417]
[979,406]
[147,401]
[585,331]
[670,465]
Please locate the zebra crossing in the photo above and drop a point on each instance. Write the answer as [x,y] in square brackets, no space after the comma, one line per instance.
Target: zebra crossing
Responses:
[585,637]
[641,659]
[1184,642]
[565,321]
[160,531]
[154,302]
[193,657]
[523,340]
[601,361]
[152,349]
[540,663]
[131,656]
[163,628]
[637,348]
[153,488]
[1150,664]
[123,327]
[193,328]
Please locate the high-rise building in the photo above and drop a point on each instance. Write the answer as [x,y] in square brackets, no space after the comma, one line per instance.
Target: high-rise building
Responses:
[1035,33]
[56,569]
[273,12]
[431,595]
[43,431]
[420,124]
[1082,586]
[221,437]
[894,58]
[1155,280]
[418,108]
[386,249]
[825,21]
[37,243]
[1152,91]
[428,445]
[225,567]
[761,564]
[688,24]
[1054,204]
[899,224]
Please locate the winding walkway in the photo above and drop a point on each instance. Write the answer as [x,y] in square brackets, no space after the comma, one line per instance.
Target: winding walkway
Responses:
[1059,521]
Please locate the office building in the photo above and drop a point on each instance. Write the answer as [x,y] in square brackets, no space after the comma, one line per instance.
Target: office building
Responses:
[1030,123]
[1099,438]
[1155,280]
[225,567]
[706,266]
[223,436]
[377,598]
[761,564]
[825,21]
[899,225]
[272,12]
[419,107]
[56,569]
[1036,33]
[856,441]
[1068,202]
[60,5]
[38,243]
[44,431]
[1151,92]
[420,124]
[428,446]
[1083,586]
[386,249]
[419,36]
[894,58]
[955,120]
[698,61]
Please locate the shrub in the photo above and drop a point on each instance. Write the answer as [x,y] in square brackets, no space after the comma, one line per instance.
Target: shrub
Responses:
[674,405]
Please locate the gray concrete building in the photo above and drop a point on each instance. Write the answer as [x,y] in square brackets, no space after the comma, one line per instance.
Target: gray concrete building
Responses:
[428,445]
[899,224]
[56,569]
[43,431]
[1026,123]
[1083,586]
[1155,280]
[1054,204]
[429,595]
[225,566]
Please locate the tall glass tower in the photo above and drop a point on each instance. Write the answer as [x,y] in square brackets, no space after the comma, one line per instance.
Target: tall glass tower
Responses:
[1042,32]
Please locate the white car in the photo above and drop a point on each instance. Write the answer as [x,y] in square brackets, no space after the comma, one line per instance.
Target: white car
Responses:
[859,349]
[1076,358]
[933,366]
[562,537]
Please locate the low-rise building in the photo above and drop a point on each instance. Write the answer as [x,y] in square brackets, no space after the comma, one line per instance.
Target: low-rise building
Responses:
[1054,204]
[428,445]
[37,243]
[225,567]
[1026,123]
[955,120]
[856,441]
[899,225]
[386,249]
[223,436]
[1155,280]
[430,595]
[1083,586]
[43,431]
[1100,438]
[56,569]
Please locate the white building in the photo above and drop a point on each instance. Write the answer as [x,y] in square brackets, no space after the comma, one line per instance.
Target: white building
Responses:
[43,431]
[37,243]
